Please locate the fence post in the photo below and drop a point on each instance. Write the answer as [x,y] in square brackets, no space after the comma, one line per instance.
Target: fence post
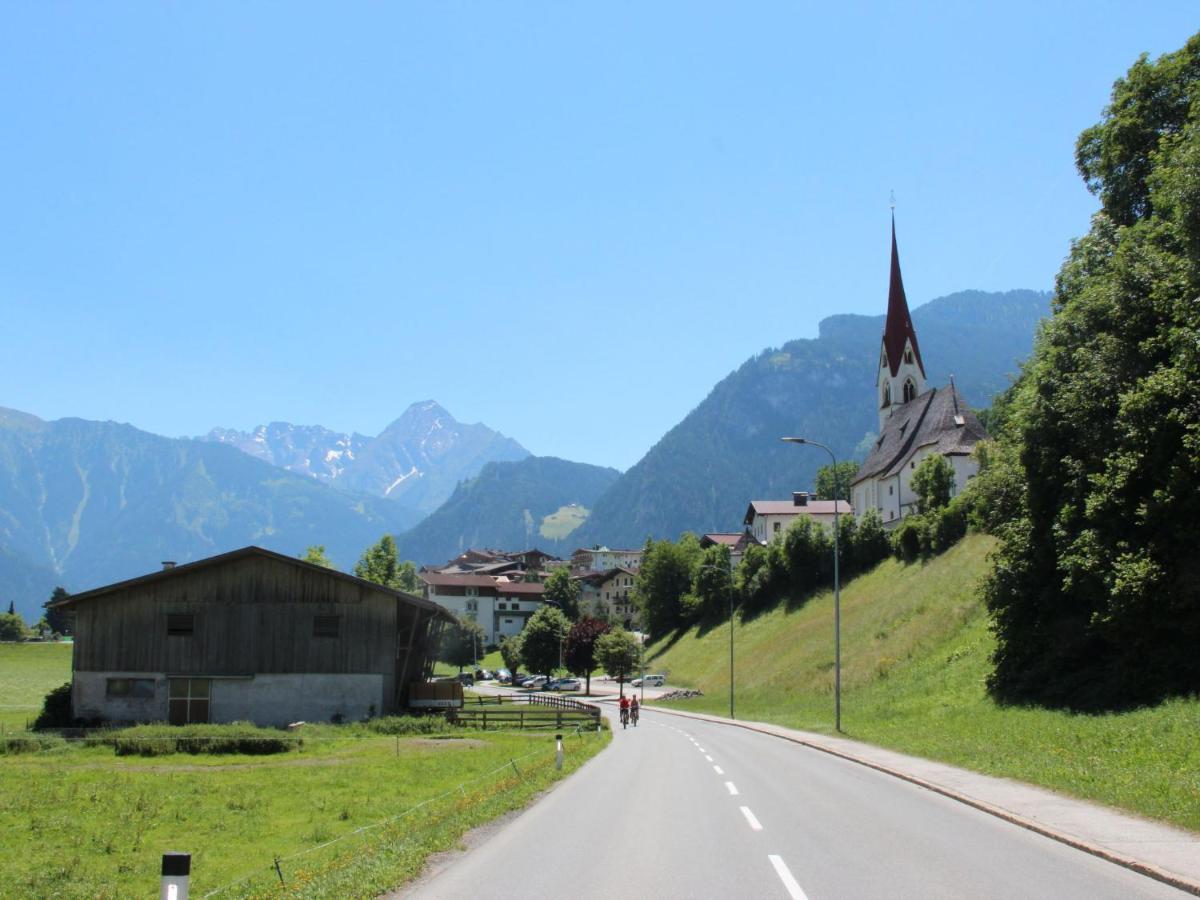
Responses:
[176,870]
[558,755]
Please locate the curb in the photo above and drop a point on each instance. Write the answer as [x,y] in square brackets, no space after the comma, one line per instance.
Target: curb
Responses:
[1128,862]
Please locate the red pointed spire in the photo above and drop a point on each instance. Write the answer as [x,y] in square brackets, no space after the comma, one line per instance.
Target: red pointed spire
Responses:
[899,327]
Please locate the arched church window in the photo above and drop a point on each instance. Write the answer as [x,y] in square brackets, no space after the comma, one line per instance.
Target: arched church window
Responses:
[908,357]
[887,395]
[910,390]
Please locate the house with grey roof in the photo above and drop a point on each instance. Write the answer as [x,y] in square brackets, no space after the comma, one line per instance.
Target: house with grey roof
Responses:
[915,421]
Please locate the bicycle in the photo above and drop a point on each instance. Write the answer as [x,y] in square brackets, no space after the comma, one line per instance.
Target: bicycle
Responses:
[624,717]
[633,715]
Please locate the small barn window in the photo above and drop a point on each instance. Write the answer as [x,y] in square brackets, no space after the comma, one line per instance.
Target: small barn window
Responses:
[131,688]
[504,606]
[181,624]
[326,626]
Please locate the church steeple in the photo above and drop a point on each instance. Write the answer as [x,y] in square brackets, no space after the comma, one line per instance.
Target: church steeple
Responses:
[901,374]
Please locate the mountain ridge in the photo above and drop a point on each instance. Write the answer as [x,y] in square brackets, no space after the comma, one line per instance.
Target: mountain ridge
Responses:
[726,451]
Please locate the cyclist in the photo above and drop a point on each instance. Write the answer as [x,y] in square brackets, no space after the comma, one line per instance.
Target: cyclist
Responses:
[633,711]
[624,711]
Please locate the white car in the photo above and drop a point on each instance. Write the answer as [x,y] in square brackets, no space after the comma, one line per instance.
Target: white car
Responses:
[650,681]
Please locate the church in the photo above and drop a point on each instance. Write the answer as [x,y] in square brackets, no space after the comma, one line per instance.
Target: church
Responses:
[915,421]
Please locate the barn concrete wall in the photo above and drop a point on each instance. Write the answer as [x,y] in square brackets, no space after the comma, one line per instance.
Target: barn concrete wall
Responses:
[261,699]
[281,699]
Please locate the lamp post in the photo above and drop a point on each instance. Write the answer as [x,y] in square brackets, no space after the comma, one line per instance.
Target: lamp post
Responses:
[729,572]
[837,597]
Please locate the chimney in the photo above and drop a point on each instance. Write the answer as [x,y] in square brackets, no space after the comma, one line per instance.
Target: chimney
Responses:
[168,564]
[799,498]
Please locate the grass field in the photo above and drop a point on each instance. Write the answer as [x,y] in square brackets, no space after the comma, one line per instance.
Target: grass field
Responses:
[85,823]
[915,648]
[82,822]
[27,672]
[562,522]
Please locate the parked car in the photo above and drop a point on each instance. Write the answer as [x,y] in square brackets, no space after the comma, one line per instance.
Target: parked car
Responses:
[504,676]
[467,679]
[650,681]
[518,677]
[564,684]
[483,675]
[535,681]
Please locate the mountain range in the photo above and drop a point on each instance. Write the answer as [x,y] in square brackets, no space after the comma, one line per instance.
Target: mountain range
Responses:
[416,461]
[85,503]
[704,472]
[510,505]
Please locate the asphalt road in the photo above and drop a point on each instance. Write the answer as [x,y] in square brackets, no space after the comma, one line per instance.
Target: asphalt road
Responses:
[679,808]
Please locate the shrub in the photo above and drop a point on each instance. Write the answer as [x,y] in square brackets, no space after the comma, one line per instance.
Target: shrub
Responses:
[408,725]
[162,740]
[56,709]
[909,539]
[11,744]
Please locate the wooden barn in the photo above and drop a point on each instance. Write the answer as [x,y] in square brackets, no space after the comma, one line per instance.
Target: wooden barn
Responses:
[250,635]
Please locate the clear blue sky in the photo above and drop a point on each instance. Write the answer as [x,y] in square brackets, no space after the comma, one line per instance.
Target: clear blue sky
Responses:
[568,222]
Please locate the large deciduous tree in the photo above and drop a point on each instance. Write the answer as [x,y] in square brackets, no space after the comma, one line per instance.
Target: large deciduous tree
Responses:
[663,580]
[61,621]
[828,476]
[542,639]
[12,627]
[932,482]
[580,653]
[564,591]
[461,643]
[618,653]
[1096,589]
[381,564]
[315,554]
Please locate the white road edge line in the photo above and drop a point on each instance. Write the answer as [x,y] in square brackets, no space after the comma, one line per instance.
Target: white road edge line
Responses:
[785,875]
[718,770]
[733,791]
[754,823]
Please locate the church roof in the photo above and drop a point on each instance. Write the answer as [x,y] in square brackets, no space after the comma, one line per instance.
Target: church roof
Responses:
[899,326]
[938,417]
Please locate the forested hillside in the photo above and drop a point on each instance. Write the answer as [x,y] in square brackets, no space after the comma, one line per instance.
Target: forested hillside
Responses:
[727,451]
[504,506]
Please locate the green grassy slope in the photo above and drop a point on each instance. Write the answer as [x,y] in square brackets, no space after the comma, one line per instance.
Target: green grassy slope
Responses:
[915,648]
[27,673]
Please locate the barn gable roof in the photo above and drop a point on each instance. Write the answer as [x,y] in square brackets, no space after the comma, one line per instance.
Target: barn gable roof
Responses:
[246,553]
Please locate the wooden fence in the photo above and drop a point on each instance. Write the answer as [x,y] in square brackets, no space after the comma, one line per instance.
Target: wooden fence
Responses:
[523,711]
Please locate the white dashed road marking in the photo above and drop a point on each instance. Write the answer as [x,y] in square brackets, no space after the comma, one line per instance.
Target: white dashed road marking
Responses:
[785,875]
[732,790]
[709,758]
[754,823]
[718,770]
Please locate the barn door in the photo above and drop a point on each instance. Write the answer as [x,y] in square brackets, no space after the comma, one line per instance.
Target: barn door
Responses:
[187,700]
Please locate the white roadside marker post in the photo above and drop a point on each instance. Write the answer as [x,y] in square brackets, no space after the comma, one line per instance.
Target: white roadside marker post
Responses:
[558,756]
[176,869]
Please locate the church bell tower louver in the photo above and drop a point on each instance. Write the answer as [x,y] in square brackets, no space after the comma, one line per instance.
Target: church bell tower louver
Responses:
[901,374]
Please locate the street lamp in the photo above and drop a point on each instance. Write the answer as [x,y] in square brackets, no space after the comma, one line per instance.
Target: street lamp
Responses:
[837,596]
[729,570]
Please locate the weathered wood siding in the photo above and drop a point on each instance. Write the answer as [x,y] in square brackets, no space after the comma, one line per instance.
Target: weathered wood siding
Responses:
[251,616]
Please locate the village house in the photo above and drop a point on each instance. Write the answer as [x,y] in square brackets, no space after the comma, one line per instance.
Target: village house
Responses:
[601,559]
[736,541]
[501,605]
[914,421]
[769,519]
[609,593]
[250,635]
